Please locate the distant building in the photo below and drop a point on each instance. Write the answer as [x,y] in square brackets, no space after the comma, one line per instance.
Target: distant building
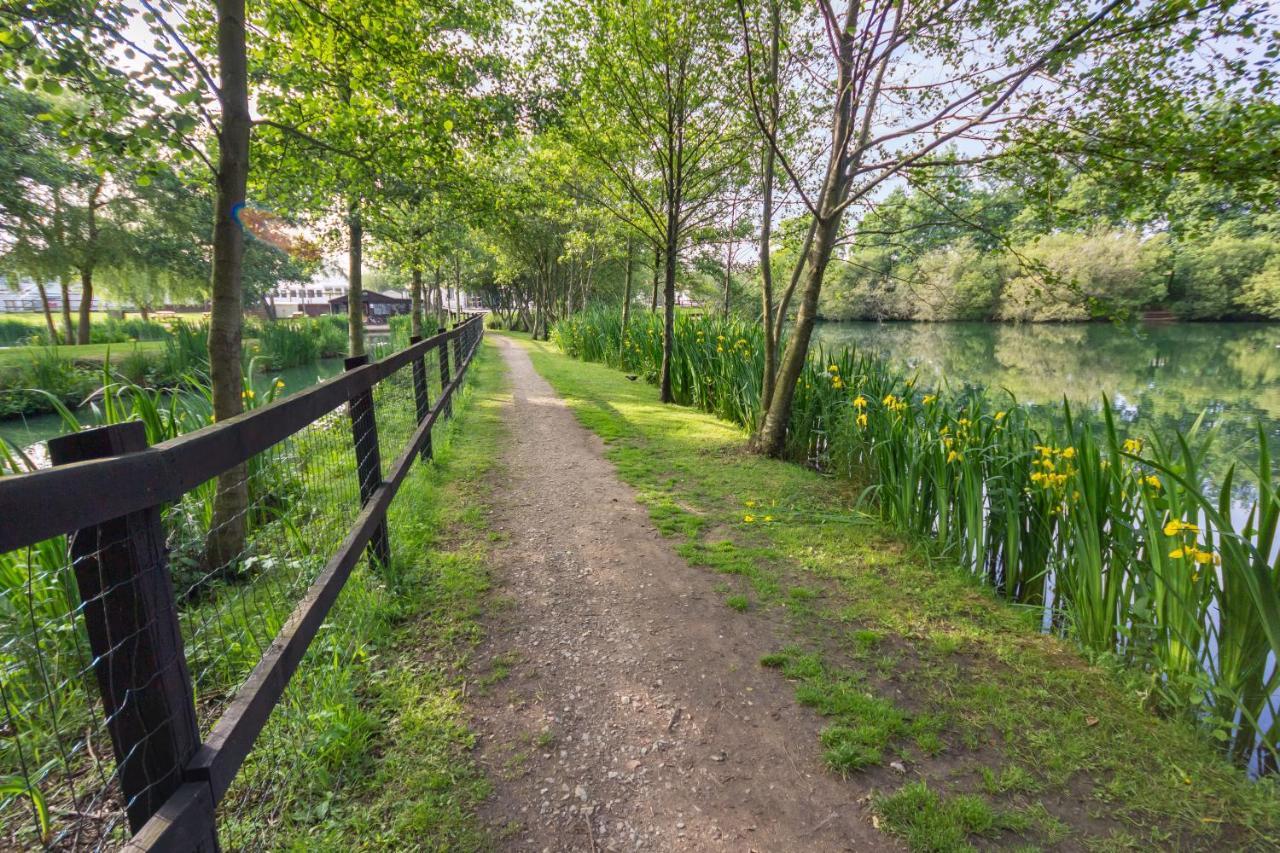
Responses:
[25,297]
[378,307]
[310,299]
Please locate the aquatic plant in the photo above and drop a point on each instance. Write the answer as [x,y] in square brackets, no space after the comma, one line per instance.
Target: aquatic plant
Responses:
[1122,542]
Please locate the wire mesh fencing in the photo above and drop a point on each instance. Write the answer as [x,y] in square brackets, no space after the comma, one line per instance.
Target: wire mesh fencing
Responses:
[154,602]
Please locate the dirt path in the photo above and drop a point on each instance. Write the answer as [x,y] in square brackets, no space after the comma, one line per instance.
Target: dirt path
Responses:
[624,707]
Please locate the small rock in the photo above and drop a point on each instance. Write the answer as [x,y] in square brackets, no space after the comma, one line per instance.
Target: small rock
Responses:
[898,765]
[580,792]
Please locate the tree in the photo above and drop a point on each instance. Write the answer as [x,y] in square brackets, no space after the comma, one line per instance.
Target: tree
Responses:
[655,111]
[995,71]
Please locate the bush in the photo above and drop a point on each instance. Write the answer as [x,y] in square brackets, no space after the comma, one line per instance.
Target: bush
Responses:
[291,343]
[1085,276]
[1210,277]
[33,384]
[1262,290]
[20,332]
[113,331]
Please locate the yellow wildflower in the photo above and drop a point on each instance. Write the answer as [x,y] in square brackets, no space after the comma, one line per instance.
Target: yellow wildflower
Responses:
[1176,526]
[1152,481]
[999,416]
[860,402]
[749,518]
[1133,445]
[929,398]
[888,399]
[833,368]
[768,518]
[862,420]
[750,503]
[953,456]
[1068,453]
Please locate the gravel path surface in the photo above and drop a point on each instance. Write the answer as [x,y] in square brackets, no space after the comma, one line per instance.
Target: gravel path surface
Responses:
[624,707]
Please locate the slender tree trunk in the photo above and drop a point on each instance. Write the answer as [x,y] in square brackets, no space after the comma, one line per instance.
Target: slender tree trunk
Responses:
[771,439]
[626,299]
[48,312]
[355,280]
[457,285]
[86,267]
[68,327]
[728,276]
[666,394]
[86,303]
[415,303]
[657,264]
[438,299]
[145,312]
[226,317]
[766,219]
[766,284]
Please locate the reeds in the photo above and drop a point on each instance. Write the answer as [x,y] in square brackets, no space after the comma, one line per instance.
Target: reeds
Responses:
[1122,542]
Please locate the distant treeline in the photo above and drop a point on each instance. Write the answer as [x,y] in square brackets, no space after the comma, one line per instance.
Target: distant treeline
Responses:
[992,254]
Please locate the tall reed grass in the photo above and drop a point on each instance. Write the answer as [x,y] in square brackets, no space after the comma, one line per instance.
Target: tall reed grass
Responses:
[1119,541]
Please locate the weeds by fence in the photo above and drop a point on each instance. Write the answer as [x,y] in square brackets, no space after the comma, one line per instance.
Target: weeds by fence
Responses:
[137,668]
[1120,542]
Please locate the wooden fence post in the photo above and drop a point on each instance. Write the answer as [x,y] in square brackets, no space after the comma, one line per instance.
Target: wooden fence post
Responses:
[446,376]
[131,618]
[364,430]
[421,398]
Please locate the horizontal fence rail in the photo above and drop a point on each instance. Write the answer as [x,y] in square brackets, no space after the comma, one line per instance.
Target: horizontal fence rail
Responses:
[155,601]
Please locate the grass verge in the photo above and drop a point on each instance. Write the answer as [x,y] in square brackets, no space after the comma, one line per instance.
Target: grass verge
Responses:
[914,664]
[370,748]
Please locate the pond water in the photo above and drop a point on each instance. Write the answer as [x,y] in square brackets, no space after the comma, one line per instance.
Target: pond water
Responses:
[1158,377]
[34,429]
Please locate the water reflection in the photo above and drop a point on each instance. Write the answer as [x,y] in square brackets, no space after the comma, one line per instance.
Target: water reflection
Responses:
[1159,377]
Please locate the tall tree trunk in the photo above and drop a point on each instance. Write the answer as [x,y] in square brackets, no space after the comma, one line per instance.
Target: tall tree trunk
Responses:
[48,312]
[457,284]
[226,317]
[268,308]
[669,309]
[771,439]
[86,303]
[355,280]
[437,298]
[415,303]
[87,265]
[626,299]
[657,263]
[68,327]
[766,218]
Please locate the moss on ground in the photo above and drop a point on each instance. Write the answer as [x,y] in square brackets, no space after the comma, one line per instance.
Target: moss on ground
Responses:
[1005,736]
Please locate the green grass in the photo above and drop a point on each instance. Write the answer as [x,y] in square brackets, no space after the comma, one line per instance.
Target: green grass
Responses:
[1135,541]
[907,655]
[932,823]
[370,750]
[83,352]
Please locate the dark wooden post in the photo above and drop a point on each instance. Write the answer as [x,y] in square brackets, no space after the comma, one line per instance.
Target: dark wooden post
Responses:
[364,429]
[445,375]
[458,351]
[421,398]
[131,617]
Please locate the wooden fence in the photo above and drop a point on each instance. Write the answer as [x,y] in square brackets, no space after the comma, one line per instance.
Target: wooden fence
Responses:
[105,494]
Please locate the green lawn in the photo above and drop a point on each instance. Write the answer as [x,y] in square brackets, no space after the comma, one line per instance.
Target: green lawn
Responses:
[81,352]
[1007,736]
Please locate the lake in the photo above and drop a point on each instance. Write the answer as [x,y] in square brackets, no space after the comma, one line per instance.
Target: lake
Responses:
[33,429]
[1158,377]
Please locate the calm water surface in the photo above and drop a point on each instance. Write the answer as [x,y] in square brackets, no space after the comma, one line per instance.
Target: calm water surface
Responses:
[32,430]
[1158,377]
